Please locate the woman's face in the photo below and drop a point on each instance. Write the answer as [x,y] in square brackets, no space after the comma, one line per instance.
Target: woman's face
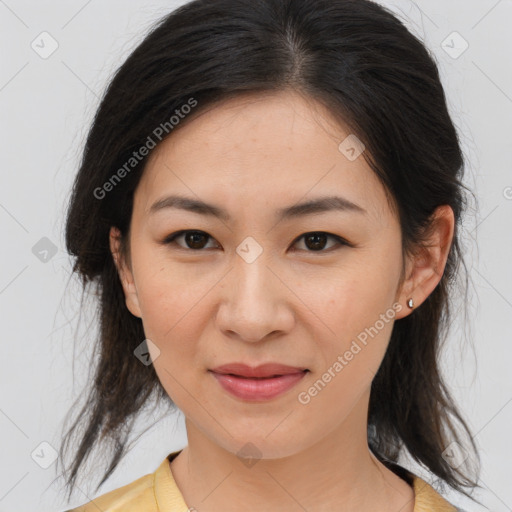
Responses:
[250,287]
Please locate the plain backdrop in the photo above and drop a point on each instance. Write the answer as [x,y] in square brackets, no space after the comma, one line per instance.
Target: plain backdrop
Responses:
[46,105]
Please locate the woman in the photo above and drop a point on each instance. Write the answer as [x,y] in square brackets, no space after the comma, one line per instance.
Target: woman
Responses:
[269,204]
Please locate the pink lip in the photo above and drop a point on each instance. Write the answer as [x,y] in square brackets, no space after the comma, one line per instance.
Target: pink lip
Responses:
[260,383]
[263,370]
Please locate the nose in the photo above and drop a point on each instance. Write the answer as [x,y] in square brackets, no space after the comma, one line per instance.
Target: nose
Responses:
[255,302]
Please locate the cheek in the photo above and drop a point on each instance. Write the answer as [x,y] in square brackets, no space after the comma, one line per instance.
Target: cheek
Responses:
[350,357]
[359,313]
[165,291]
[172,307]
[173,316]
[355,299]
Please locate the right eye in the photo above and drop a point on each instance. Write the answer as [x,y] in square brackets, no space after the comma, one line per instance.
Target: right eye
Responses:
[194,239]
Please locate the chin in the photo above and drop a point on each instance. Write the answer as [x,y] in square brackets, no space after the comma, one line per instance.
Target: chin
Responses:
[254,447]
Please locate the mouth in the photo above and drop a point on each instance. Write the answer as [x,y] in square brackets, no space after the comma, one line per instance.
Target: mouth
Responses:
[267,370]
[258,384]
[251,378]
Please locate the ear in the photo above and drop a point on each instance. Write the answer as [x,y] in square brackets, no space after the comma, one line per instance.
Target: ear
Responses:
[125,273]
[425,269]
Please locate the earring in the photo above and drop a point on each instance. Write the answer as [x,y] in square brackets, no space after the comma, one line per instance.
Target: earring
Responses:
[410,303]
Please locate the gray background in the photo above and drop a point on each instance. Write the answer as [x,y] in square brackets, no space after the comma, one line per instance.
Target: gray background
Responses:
[46,105]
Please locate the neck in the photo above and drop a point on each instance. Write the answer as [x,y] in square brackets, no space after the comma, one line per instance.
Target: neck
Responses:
[338,473]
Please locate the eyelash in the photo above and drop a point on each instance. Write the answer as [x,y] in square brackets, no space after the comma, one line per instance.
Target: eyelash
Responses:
[170,239]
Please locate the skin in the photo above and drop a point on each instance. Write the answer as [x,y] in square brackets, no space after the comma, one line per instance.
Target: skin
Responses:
[293,304]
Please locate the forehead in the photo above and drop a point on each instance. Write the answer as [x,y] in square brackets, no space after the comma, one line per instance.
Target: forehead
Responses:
[262,149]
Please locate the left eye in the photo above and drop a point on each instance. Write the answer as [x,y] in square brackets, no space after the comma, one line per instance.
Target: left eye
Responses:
[195,240]
[316,240]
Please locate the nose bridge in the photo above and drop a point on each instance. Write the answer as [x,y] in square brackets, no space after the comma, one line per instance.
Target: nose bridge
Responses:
[252,275]
[254,302]
[250,262]
[253,292]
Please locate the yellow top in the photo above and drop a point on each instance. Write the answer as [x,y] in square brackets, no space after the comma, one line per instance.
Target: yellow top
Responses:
[158,492]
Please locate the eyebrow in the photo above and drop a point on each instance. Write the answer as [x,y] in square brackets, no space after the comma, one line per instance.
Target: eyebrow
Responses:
[314,206]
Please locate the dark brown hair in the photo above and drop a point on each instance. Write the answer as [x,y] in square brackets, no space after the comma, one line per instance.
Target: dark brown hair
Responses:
[360,61]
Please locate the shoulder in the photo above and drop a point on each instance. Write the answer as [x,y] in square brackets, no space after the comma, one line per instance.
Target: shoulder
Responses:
[135,496]
[153,492]
[427,499]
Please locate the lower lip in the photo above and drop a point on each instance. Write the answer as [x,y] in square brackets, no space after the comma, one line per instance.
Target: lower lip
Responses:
[258,389]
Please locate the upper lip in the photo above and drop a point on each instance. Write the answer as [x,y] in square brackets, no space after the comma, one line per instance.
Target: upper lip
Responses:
[263,370]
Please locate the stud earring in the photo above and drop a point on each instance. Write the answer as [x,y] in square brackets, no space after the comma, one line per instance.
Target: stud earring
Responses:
[410,303]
